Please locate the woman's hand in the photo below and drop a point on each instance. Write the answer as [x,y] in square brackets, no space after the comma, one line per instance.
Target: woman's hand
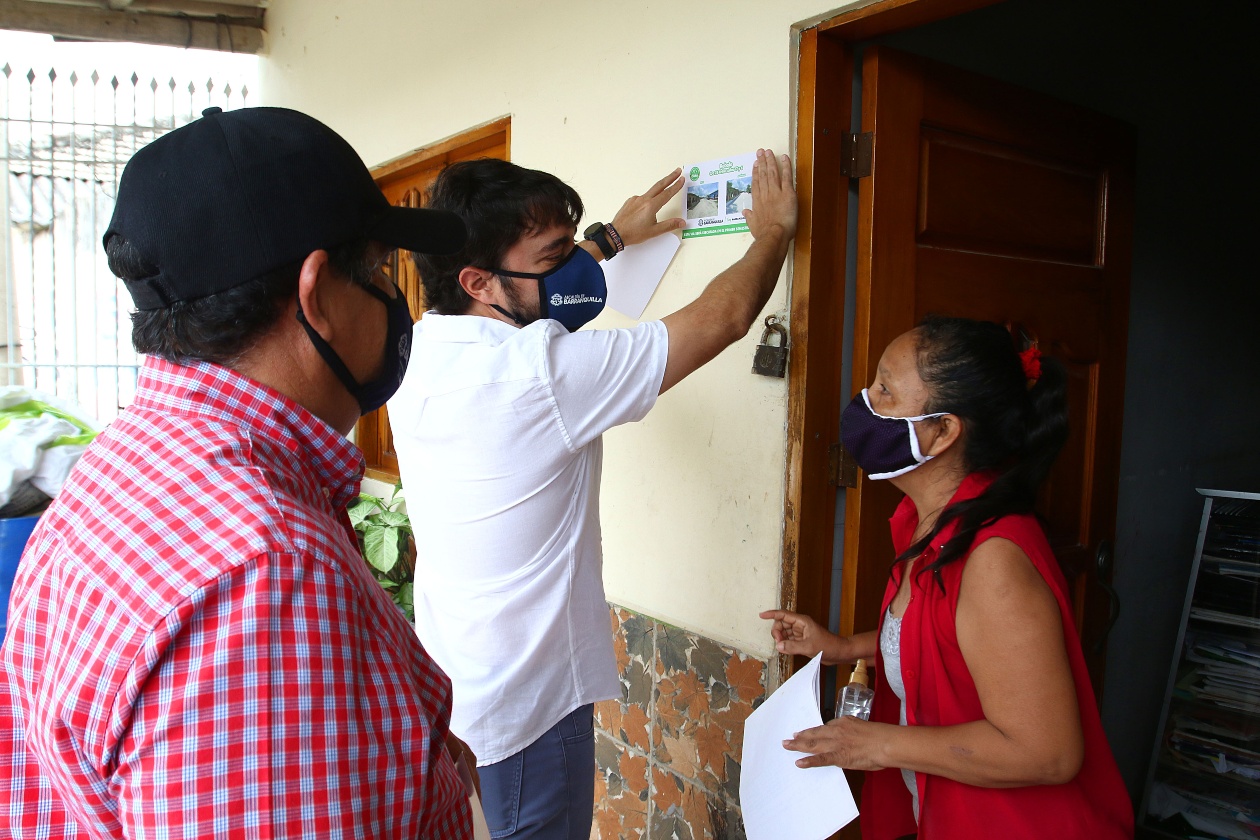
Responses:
[844,742]
[799,635]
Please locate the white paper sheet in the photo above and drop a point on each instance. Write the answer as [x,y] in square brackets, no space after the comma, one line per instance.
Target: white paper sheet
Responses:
[778,798]
[634,274]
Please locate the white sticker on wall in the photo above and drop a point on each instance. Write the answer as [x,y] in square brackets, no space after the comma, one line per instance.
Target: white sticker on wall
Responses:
[717,192]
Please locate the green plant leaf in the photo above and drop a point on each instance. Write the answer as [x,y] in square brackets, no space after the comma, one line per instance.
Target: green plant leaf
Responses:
[380,546]
[394,519]
[393,546]
[376,500]
[384,533]
[362,509]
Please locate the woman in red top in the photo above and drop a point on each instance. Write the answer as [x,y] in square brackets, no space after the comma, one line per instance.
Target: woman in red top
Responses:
[984,723]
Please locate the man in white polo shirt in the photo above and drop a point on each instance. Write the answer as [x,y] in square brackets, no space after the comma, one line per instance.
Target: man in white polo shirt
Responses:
[498,428]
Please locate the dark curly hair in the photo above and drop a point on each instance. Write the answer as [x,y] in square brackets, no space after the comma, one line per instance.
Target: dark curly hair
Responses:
[499,202]
[972,369]
[222,327]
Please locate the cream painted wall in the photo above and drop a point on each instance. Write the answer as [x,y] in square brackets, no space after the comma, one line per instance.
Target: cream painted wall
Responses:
[609,97]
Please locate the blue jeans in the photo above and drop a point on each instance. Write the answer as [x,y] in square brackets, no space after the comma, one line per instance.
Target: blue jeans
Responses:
[546,790]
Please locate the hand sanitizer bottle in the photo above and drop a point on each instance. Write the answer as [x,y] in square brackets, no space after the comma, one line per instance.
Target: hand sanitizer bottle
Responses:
[855,700]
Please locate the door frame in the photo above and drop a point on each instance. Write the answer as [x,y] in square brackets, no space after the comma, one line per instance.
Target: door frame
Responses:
[823,115]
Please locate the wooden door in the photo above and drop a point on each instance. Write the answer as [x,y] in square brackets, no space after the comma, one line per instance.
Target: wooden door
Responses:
[989,201]
[405,182]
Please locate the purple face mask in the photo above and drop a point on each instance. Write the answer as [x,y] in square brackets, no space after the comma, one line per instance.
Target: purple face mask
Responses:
[885,447]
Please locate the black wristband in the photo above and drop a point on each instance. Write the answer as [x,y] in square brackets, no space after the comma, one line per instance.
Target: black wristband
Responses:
[616,238]
[598,234]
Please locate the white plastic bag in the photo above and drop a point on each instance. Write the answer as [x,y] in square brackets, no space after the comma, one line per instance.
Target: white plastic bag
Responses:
[41,439]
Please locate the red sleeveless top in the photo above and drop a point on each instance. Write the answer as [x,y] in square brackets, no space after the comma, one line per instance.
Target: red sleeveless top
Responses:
[940,692]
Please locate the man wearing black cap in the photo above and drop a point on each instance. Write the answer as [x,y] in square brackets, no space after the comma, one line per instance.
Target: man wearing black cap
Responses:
[195,647]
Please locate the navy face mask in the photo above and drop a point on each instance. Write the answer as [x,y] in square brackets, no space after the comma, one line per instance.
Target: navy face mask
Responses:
[884,447]
[374,394]
[572,293]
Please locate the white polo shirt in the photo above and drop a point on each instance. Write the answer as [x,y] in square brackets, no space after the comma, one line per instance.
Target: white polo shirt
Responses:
[497,431]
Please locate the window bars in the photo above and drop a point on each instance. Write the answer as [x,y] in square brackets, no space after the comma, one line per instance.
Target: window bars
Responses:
[64,139]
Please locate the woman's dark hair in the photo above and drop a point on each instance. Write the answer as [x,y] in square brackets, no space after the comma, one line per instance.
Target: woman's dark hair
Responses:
[499,202]
[972,369]
[221,327]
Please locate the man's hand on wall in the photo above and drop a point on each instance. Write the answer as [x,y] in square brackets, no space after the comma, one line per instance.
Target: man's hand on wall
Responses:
[636,220]
[773,196]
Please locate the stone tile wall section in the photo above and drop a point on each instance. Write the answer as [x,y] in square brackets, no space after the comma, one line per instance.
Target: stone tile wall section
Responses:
[667,753]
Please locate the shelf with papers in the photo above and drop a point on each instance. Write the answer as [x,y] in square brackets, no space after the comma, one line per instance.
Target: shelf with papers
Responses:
[1191,705]
[1175,772]
[1204,777]
[1225,624]
[1199,804]
[1227,618]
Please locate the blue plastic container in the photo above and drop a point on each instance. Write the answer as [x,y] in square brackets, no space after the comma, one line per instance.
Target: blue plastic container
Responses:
[13,536]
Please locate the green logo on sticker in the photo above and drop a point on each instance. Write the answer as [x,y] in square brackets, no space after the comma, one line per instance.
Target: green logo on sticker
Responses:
[694,174]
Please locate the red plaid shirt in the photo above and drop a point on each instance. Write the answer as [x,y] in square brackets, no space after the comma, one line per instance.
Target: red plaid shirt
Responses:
[196,648]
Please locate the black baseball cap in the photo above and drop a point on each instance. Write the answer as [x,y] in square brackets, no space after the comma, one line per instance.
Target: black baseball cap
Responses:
[236,194]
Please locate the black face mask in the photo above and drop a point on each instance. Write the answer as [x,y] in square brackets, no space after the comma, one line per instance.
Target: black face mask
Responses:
[885,447]
[372,395]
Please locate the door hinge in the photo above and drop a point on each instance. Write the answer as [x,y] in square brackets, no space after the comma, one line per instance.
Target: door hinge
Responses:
[857,151]
[842,470]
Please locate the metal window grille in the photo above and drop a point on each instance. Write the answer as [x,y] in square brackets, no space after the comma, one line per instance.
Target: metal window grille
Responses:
[65,139]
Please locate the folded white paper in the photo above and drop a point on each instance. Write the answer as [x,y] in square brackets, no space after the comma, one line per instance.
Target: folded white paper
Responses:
[634,274]
[778,798]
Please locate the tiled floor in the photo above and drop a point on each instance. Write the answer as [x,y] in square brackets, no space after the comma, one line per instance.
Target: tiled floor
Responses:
[667,754]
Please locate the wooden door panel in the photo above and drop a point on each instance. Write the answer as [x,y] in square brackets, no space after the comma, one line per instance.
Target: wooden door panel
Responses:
[1009,115]
[1066,491]
[987,198]
[882,311]
[998,289]
[992,202]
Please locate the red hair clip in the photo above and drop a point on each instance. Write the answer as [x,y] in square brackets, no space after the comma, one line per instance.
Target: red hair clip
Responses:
[1031,361]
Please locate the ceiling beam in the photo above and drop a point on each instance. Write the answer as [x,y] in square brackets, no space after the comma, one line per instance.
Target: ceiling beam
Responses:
[246,10]
[96,24]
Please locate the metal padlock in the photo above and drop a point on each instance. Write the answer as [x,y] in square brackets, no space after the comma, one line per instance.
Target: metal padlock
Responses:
[769,359]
